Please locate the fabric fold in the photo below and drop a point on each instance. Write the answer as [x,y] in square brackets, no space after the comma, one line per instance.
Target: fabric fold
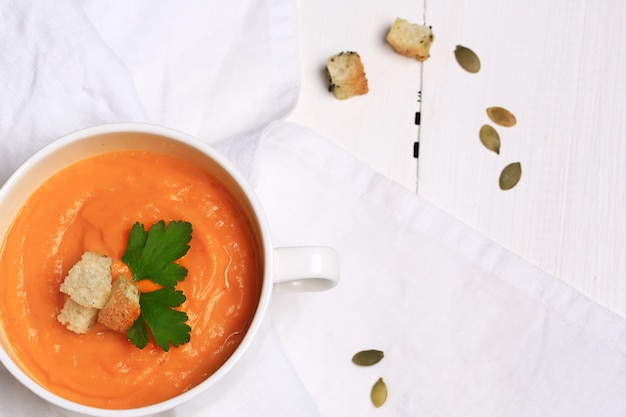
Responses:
[213,72]
[56,77]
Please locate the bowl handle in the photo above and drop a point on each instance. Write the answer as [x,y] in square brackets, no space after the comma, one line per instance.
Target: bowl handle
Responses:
[305,268]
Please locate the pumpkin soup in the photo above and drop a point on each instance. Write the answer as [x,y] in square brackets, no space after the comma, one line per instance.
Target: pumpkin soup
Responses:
[91,206]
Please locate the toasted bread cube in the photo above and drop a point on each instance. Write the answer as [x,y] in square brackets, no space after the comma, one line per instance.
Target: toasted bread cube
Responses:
[122,308]
[410,39]
[76,317]
[347,75]
[88,282]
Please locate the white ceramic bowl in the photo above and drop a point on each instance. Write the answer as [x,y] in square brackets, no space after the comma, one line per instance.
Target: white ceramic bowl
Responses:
[293,269]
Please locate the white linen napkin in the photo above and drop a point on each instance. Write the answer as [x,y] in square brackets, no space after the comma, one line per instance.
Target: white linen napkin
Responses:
[56,76]
[468,329]
[215,70]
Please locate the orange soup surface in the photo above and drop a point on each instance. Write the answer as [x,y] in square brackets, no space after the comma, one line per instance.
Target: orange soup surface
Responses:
[91,206]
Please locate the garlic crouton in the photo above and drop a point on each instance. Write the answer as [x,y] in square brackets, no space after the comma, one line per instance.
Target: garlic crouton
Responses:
[88,282]
[122,308]
[411,40]
[77,318]
[347,75]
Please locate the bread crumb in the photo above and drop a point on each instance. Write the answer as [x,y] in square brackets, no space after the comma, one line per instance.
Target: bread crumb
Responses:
[122,308]
[88,286]
[411,40]
[88,282]
[76,317]
[92,296]
[347,75]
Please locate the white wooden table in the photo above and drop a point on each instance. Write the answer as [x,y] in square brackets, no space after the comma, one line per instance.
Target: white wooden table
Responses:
[557,65]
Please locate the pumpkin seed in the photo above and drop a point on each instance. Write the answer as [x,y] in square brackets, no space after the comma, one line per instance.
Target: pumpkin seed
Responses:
[490,138]
[510,176]
[368,357]
[467,59]
[379,393]
[501,116]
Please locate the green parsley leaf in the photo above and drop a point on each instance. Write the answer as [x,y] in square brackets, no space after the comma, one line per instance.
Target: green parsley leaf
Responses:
[138,333]
[151,254]
[166,324]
